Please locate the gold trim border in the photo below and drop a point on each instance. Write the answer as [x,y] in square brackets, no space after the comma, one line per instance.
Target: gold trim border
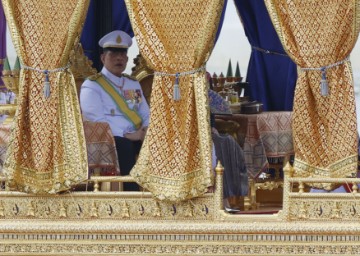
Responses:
[163,247]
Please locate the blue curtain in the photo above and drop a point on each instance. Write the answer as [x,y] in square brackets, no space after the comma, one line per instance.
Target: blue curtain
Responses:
[119,19]
[271,73]
[92,31]
[89,35]
[2,40]
[221,21]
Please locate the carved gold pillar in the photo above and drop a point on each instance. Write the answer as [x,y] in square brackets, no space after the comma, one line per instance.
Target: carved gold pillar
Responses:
[81,66]
[11,82]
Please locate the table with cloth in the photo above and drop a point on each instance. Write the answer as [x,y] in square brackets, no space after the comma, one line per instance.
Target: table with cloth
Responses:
[264,137]
[4,140]
[101,149]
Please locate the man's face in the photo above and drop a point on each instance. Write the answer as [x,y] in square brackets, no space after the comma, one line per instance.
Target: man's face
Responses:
[115,61]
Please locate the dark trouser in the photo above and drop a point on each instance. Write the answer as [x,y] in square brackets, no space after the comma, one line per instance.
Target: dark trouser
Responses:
[127,151]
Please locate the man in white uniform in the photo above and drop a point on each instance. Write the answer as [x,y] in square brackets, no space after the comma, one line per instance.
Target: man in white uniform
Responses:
[117,99]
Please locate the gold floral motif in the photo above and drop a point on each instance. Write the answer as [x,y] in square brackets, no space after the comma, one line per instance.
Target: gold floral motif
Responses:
[188,210]
[62,210]
[336,212]
[31,210]
[2,214]
[156,209]
[94,210]
[125,210]
[303,214]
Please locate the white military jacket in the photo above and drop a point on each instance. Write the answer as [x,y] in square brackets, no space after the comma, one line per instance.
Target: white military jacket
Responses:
[98,106]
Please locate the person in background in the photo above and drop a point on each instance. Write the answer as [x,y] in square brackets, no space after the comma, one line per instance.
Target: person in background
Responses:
[116,98]
[212,115]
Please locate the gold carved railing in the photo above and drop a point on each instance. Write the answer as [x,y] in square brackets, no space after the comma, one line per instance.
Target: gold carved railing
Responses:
[134,223]
[301,205]
[98,205]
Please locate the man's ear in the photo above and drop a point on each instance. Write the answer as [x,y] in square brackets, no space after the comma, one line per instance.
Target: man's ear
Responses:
[102,57]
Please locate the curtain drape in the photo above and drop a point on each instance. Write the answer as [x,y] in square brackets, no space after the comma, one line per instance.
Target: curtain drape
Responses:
[120,21]
[91,34]
[319,36]
[121,18]
[176,36]
[47,151]
[2,42]
[271,73]
[221,21]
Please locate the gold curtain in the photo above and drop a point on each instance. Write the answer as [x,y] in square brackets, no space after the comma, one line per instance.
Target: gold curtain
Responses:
[47,151]
[321,34]
[176,36]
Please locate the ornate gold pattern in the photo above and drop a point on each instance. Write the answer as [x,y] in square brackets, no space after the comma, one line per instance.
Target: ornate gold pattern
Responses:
[86,244]
[176,36]
[81,66]
[144,75]
[47,151]
[11,82]
[77,207]
[128,223]
[141,70]
[8,109]
[324,127]
[269,185]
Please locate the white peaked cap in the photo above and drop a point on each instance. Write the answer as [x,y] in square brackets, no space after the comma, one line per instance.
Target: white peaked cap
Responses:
[116,39]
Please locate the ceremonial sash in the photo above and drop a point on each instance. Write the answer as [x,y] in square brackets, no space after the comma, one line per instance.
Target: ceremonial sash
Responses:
[120,102]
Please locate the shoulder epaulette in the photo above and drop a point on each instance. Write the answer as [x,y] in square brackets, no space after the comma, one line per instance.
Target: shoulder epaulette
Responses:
[130,77]
[94,77]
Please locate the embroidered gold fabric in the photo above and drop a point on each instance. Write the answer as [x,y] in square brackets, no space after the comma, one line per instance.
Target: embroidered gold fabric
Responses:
[47,151]
[176,36]
[316,34]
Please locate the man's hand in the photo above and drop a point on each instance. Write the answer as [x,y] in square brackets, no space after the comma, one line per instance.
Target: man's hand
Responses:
[138,135]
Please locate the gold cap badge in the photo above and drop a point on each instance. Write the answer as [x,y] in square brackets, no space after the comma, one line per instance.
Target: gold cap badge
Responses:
[118,39]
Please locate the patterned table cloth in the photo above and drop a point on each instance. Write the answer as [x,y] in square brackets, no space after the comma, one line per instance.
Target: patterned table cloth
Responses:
[263,136]
[4,140]
[101,148]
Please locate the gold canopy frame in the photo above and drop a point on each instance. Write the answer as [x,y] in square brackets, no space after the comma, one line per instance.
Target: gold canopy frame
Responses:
[134,223]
